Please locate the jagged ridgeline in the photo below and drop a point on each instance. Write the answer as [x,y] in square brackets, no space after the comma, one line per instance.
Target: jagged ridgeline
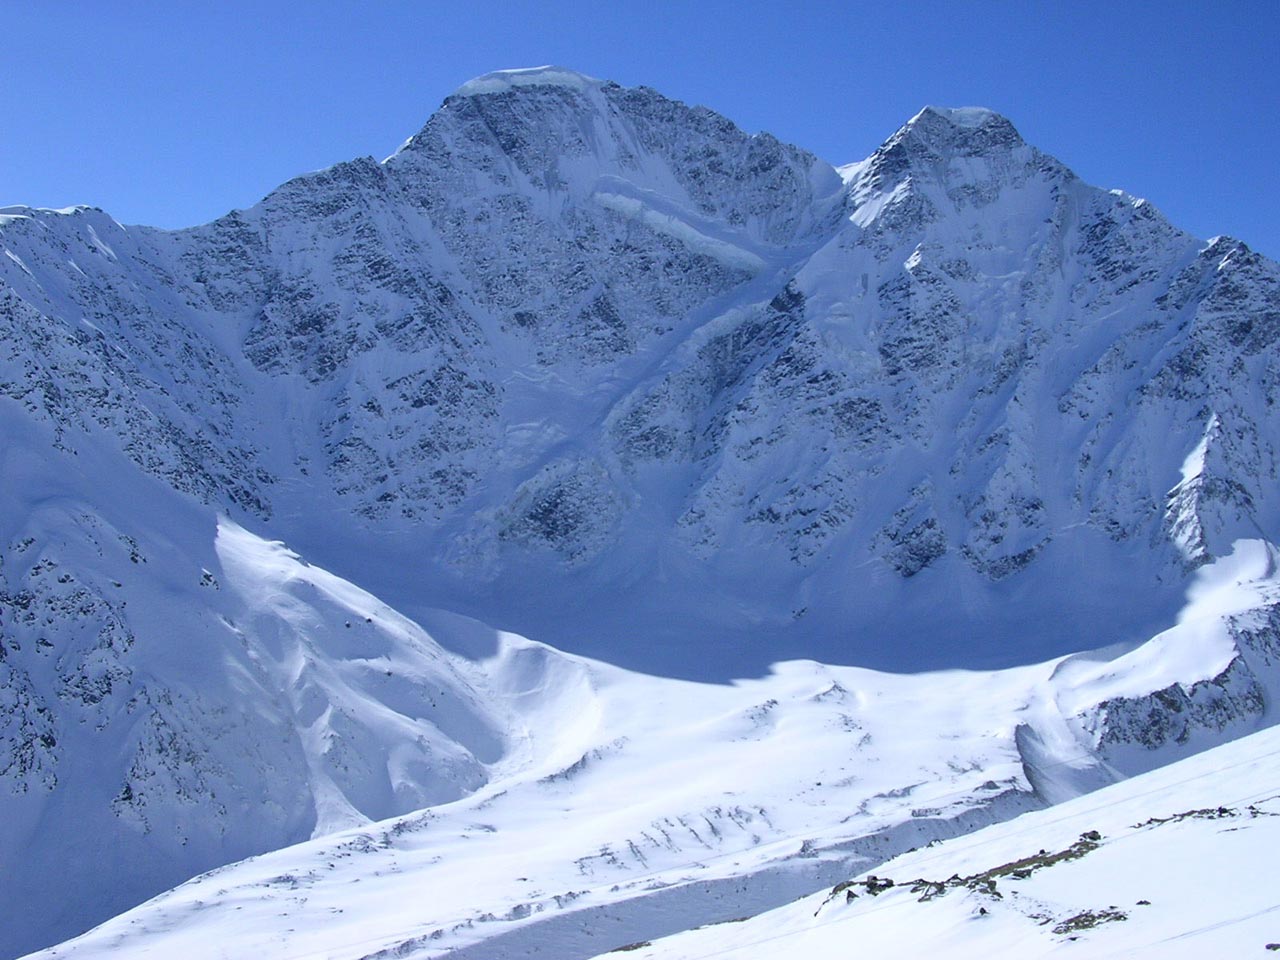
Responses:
[598,367]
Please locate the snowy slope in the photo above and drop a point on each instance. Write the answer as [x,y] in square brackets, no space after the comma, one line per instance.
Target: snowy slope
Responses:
[1178,862]
[637,806]
[176,702]
[598,368]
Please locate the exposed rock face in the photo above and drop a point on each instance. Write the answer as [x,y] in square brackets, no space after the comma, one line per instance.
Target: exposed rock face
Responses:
[956,354]
[1137,733]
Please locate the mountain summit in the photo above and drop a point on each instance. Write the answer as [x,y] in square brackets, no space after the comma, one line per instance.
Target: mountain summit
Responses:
[587,364]
[503,81]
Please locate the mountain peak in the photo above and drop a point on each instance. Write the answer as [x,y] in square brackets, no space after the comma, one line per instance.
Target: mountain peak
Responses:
[965,117]
[961,129]
[502,81]
[936,135]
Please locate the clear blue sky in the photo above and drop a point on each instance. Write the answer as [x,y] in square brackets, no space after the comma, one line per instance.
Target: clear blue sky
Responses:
[172,113]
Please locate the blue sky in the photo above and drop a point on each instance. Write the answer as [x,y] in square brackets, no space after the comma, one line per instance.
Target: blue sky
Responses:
[172,113]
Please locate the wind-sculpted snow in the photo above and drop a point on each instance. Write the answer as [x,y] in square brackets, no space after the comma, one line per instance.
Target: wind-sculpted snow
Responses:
[597,367]
[1171,864]
[626,807]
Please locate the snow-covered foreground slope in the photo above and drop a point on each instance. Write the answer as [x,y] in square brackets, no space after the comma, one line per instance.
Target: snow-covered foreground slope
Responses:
[1177,863]
[629,806]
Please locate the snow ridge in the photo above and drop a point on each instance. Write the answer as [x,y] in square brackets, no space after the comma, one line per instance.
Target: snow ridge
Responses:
[502,81]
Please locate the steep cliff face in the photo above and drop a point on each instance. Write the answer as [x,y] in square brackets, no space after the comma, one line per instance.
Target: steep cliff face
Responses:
[571,324]
[593,365]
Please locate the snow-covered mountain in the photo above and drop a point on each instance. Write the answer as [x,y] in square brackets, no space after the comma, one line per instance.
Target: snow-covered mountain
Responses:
[596,367]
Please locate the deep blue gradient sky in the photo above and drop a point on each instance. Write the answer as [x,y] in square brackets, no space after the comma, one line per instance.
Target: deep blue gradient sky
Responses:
[172,113]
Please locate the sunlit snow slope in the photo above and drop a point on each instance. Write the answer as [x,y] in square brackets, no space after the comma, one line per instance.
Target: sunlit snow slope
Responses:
[1177,863]
[631,806]
[587,365]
